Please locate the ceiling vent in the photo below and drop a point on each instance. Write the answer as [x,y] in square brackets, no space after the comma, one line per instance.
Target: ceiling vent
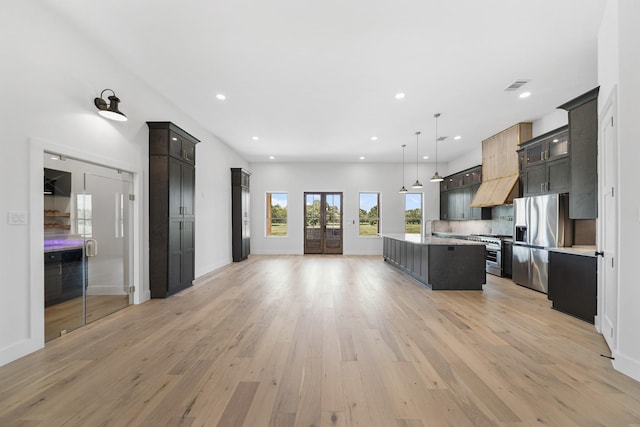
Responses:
[517,85]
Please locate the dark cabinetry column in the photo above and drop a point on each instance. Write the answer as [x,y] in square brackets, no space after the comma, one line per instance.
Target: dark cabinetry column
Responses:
[171,208]
[240,224]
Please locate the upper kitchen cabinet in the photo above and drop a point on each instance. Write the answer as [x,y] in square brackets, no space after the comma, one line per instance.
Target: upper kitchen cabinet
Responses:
[583,134]
[544,163]
[172,183]
[456,193]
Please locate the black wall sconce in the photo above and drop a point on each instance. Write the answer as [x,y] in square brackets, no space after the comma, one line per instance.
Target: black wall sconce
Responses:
[110,110]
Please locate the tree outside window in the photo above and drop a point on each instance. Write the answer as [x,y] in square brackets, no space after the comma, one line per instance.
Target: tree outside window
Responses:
[369,223]
[413,213]
[277,214]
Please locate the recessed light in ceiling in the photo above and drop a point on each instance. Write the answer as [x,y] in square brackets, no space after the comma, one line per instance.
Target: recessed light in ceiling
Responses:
[425,157]
[54,158]
[174,138]
[361,157]
[271,157]
[221,97]
[457,138]
[374,138]
[255,138]
[399,95]
[525,95]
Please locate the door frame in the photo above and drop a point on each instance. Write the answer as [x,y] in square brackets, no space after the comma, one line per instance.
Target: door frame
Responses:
[605,324]
[323,195]
[37,148]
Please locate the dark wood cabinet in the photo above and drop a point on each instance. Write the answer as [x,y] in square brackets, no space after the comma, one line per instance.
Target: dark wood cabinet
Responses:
[456,194]
[240,224]
[172,157]
[573,284]
[544,163]
[63,277]
[583,134]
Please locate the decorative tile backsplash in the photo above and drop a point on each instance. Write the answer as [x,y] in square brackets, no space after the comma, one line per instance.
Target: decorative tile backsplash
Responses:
[502,224]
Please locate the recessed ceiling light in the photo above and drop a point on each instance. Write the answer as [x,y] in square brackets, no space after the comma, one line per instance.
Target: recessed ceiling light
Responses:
[54,158]
[255,138]
[425,157]
[556,140]
[271,157]
[174,138]
[399,95]
[361,157]
[374,138]
[457,137]
[221,97]
[525,94]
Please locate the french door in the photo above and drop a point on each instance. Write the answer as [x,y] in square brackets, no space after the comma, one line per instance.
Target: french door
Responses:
[323,228]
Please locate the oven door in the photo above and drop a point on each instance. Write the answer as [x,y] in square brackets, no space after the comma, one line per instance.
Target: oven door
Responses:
[494,260]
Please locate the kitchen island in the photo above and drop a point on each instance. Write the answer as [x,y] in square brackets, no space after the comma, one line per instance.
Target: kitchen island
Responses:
[439,263]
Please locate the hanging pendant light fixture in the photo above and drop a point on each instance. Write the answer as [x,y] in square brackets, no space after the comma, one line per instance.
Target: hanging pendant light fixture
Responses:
[403,190]
[417,184]
[436,177]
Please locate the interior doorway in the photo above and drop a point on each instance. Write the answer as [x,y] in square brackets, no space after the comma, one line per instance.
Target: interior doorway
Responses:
[323,227]
[87,243]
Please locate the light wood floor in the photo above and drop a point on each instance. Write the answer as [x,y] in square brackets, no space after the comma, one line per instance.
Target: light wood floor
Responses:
[324,341]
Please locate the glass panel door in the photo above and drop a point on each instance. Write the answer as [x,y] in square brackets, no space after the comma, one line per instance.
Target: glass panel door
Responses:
[103,221]
[323,223]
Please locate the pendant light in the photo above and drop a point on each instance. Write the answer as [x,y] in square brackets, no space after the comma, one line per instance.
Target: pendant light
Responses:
[417,184]
[436,177]
[403,190]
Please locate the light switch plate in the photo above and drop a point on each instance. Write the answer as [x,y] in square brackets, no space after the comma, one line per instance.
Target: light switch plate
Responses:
[17,218]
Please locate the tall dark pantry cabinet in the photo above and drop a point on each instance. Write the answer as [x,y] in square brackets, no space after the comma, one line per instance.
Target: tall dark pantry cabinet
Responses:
[172,182]
[240,214]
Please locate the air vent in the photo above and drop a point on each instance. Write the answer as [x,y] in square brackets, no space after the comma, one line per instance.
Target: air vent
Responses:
[517,85]
[442,138]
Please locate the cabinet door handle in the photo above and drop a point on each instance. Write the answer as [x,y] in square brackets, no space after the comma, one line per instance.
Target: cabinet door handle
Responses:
[542,187]
[599,253]
[91,247]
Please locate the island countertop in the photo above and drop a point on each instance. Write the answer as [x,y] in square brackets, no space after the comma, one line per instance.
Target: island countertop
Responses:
[417,239]
[440,263]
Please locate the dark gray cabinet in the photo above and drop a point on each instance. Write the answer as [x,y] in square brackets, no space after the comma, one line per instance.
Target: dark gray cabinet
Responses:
[456,194]
[240,224]
[172,181]
[63,276]
[544,163]
[583,134]
[573,284]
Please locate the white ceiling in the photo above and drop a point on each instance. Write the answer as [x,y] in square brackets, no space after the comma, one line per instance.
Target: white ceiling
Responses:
[315,80]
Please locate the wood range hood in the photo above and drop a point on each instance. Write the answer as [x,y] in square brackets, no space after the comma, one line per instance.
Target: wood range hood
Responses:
[500,169]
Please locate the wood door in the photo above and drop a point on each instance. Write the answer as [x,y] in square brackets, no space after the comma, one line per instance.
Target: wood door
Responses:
[323,228]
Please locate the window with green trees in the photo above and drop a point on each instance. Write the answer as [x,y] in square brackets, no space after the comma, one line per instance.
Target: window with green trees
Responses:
[277,214]
[413,213]
[369,214]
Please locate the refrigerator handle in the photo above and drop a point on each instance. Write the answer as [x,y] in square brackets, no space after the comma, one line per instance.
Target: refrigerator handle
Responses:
[599,253]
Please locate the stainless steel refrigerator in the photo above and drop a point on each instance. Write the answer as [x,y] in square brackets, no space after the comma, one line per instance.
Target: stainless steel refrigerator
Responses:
[540,223]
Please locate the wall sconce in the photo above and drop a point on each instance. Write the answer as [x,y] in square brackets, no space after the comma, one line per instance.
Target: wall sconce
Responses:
[110,110]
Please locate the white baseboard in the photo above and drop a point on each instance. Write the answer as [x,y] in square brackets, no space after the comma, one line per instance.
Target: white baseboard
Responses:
[627,366]
[105,290]
[19,349]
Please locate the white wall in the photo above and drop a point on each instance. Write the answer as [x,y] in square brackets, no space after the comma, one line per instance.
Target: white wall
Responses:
[348,178]
[618,71]
[50,75]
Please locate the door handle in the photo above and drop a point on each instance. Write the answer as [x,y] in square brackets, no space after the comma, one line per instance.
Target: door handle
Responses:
[91,247]
[599,253]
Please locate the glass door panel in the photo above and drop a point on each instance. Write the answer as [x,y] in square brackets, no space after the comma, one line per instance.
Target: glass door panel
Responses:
[323,223]
[107,232]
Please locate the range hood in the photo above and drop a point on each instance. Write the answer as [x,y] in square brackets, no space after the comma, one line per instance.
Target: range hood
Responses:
[500,170]
[496,192]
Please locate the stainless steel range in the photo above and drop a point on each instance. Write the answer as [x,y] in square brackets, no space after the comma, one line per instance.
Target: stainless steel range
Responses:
[493,245]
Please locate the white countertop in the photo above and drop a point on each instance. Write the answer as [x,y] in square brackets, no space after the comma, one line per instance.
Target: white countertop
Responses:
[576,250]
[430,240]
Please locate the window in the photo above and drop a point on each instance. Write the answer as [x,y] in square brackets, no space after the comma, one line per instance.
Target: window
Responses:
[413,213]
[369,214]
[84,214]
[277,214]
